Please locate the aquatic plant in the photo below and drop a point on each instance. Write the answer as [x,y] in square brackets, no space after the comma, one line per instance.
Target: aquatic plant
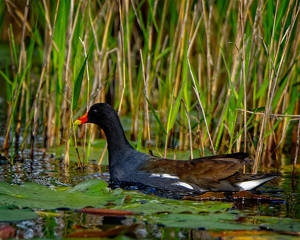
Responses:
[208,76]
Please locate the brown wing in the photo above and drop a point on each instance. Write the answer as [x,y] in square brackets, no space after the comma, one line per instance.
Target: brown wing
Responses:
[199,171]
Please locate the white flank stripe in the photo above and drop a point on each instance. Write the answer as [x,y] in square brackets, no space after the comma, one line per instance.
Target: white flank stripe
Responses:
[164,175]
[155,175]
[248,185]
[183,184]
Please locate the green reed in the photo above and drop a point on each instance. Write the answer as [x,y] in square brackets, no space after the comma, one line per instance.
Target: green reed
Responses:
[214,76]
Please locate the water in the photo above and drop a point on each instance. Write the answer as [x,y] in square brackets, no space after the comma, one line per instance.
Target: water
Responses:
[47,169]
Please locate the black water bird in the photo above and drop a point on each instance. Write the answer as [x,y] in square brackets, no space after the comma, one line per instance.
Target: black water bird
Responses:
[128,166]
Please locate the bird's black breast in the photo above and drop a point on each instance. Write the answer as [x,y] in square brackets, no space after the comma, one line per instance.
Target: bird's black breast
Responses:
[125,164]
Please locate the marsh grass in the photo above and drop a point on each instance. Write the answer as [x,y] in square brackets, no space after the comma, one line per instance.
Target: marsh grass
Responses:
[214,76]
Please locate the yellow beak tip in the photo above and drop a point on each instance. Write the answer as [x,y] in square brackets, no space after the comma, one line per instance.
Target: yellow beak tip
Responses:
[77,122]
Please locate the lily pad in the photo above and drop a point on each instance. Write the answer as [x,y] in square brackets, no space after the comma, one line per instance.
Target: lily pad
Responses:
[91,187]
[175,206]
[12,215]
[278,223]
[42,197]
[209,215]
[213,221]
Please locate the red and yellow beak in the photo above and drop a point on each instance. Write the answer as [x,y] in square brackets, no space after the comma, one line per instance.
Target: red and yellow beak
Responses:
[81,120]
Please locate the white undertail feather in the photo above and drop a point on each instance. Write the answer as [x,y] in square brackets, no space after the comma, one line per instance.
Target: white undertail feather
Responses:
[251,184]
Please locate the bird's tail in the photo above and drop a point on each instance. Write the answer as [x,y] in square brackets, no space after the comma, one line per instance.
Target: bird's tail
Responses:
[255,182]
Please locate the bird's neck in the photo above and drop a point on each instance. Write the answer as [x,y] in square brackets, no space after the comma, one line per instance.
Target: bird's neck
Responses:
[116,139]
[118,147]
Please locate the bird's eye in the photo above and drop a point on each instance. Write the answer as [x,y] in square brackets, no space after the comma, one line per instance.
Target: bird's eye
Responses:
[94,110]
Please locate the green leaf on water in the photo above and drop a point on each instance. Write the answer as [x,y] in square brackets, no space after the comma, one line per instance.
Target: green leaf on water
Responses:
[209,215]
[92,193]
[91,187]
[215,221]
[175,206]
[277,223]
[12,215]
[149,204]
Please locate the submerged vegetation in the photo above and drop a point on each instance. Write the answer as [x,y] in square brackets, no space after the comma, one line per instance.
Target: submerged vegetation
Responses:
[211,76]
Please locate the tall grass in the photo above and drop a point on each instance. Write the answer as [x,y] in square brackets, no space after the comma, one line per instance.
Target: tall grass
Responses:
[209,76]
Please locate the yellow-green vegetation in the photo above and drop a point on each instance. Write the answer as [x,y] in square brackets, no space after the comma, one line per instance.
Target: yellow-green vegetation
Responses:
[217,76]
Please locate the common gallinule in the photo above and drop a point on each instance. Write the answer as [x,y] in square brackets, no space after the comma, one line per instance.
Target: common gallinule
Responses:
[128,166]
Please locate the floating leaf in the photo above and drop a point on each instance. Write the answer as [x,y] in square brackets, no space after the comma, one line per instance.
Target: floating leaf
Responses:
[215,221]
[92,193]
[12,215]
